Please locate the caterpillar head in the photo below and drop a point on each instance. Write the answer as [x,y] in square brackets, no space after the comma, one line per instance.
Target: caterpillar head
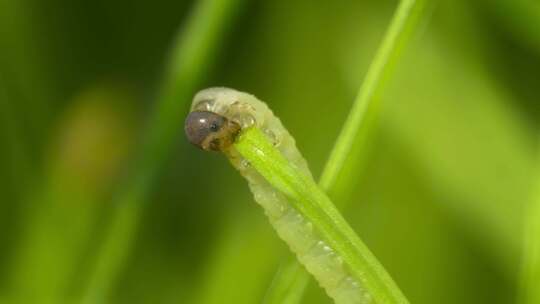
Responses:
[210,131]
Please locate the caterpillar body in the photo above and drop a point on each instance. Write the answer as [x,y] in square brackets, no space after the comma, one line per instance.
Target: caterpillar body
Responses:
[217,116]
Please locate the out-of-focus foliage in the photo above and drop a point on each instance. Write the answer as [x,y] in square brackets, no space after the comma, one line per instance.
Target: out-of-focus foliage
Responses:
[441,200]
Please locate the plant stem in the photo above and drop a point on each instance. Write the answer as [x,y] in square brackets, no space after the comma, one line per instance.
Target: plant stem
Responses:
[350,147]
[317,208]
[190,58]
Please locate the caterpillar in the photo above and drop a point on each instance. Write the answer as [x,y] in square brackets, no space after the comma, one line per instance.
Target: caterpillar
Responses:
[217,117]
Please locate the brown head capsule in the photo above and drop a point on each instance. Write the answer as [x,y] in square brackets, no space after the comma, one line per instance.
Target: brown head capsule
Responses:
[210,131]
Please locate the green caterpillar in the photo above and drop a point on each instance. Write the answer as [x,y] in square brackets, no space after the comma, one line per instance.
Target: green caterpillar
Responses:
[217,117]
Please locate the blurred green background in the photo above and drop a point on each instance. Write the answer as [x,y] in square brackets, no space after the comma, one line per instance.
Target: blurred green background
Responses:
[441,199]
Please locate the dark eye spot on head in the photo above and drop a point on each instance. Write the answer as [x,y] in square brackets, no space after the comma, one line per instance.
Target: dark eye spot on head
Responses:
[210,131]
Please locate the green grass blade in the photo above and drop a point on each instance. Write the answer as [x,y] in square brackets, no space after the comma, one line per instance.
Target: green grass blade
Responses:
[350,147]
[317,208]
[362,117]
[190,58]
